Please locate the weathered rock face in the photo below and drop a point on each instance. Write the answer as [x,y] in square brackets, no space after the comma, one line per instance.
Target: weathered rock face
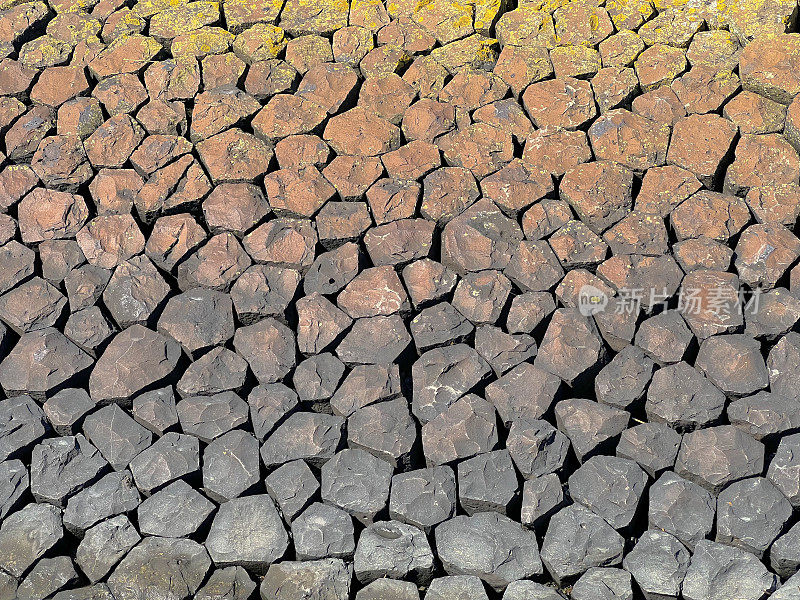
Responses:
[376,300]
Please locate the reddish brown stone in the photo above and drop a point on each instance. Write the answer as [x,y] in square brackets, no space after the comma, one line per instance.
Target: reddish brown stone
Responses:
[48,214]
[289,242]
[383,61]
[162,117]
[664,188]
[127,54]
[15,182]
[61,163]
[222,71]
[236,207]
[526,27]
[507,115]
[114,141]
[404,32]
[110,239]
[481,296]
[351,44]
[215,265]
[659,65]
[297,193]
[556,150]
[447,192]
[263,291]
[521,66]
[566,103]
[545,217]
[427,281]
[121,22]
[297,151]
[582,23]
[661,105]
[480,147]
[172,79]
[375,291]
[412,160]
[638,233]
[577,246]
[362,133]
[775,203]
[56,85]
[528,311]
[328,85]
[388,97]
[135,292]
[399,242]
[120,94]
[575,61]
[181,184]
[709,214]
[234,155]
[702,253]
[614,87]
[393,199]
[656,278]
[427,119]
[269,77]
[762,160]
[80,116]
[671,27]
[352,175]
[755,114]
[600,193]
[516,186]
[621,49]
[15,78]
[700,143]
[704,89]
[23,137]
[768,66]
[156,151]
[260,41]
[629,139]
[287,115]
[427,76]
[215,111]
[710,302]
[319,323]
[764,253]
[172,238]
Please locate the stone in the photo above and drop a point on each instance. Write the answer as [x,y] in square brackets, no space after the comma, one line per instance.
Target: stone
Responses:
[116,435]
[385,429]
[541,498]
[603,583]
[560,354]
[388,588]
[208,417]
[269,348]
[230,465]
[783,469]
[452,587]
[112,495]
[170,457]
[230,583]
[156,410]
[744,372]
[423,497]
[392,549]
[60,467]
[309,436]
[664,337]
[328,578]
[468,427]
[374,340]
[27,534]
[653,446]
[323,531]
[589,425]
[536,447]
[104,545]
[291,486]
[625,378]
[317,377]
[356,482]
[134,292]
[658,563]
[48,576]
[487,482]
[717,570]
[175,511]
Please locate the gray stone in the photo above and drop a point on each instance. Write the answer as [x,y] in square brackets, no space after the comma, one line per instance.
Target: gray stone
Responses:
[765,416]
[790,590]
[326,579]
[60,467]
[388,589]
[230,583]
[357,482]
[784,469]
[48,577]
[733,363]
[291,486]
[269,404]
[116,435]
[658,563]
[385,429]
[208,417]
[603,583]
[247,532]
[530,590]
[490,546]
[576,540]
[231,465]
[176,511]
[156,410]
[664,337]
[719,572]
[395,550]
[172,456]
[525,392]
[135,292]
[468,427]
[374,341]
[26,535]
[424,497]
[98,591]
[503,351]
[654,446]
[683,398]
[104,545]
[268,347]
[610,487]
[364,385]
[218,370]
[66,408]
[160,567]
[783,366]
[784,555]
[487,482]
[323,531]
[14,482]
[751,513]
[624,380]
[717,456]
[682,508]
[332,270]
[571,346]
[313,437]
[85,285]
[541,498]
[317,377]
[589,425]
[114,494]
[22,424]
[456,587]
[198,319]
[439,325]
[537,447]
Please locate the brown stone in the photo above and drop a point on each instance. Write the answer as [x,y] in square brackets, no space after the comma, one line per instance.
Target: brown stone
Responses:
[60,162]
[638,233]
[427,76]
[126,54]
[659,65]
[427,119]
[661,105]
[775,203]
[526,27]
[362,133]
[545,217]
[600,193]
[705,89]
[375,291]
[49,214]
[23,137]
[262,291]
[297,193]
[114,141]
[566,103]
[393,199]
[269,77]
[577,246]
[120,94]
[614,87]
[481,296]
[172,238]
[629,139]
[215,111]
[80,116]
[135,292]
[339,222]
[287,115]
[710,214]
[762,160]
[520,66]
[709,302]
[320,323]
[222,71]
[664,188]
[33,305]
[702,253]
[768,66]
[516,186]
[388,97]
[288,242]
[480,147]
[621,49]
[427,280]
[764,253]
[447,192]
[162,117]
[671,27]
[260,41]
[328,85]
[156,151]
[717,49]
[234,155]
[556,150]
[399,242]
[110,239]
[507,115]
[351,44]
[755,114]
[302,150]
[56,85]
[235,207]
[700,143]
[351,176]
[215,265]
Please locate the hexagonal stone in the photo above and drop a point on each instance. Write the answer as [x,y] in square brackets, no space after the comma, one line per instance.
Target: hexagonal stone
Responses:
[47,577]
[219,370]
[682,398]
[160,566]
[393,549]
[576,540]
[481,296]
[198,319]
[134,360]
[172,456]
[489,546]
[751,513]
[112,495]
[208,417]
[17,264]
[541,498]
[784,469]
[60,467]
[766,67]
[717,572]
[247,532]
[135,291]
[589,425]
[468,427]
[764,253]
[439,325]
[782,364]
[313,437]
[26,535]
[320,323]
[424,497]
[104,545]
[717,456]
[624,380]
[291,486]
[652,445]
[503,351]
[178,510]
[156,410]
[601,583]
[22,424]
[215,265]
[230,583]
[733,363]
[14,482]
[356,482]
[443,375]
[263,291]
[765,416]
[388,589]
[658,563]
[230,465]
[269,348]
[328,579]
[536,447]
[116,435]
[571,346]
[323,531]
[40,362]
[487,482]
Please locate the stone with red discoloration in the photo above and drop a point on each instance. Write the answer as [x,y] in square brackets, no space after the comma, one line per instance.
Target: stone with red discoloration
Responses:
[114,141]
[266,78]
[614,87]
[481,296]
[56,85]
[413,160]
[717,49]
[263,291]
[710,214]
[156,151]
[393,199]
[566,102]
[234,155]
[286,115]
[297,192]
[375,291]
[629,139]
[320,323]
[659,65]
[775,203]
[400,241]
[388,97]
[702,253]
[755,114]
[657,276]
[120,94]
[361,133]
[126,54]
[661,105]
[764,253]
[705,89]
[638,233]
[288,242]
[516,186]
[60,162]
[428,119]
[215,265]
[480,147]
[447,192]
[427,76]
[526,27]
[23,137]
[328,85]
[507,115]
[556,150]
[710,302]
[470,89]
[351,176]
[110,239]
[308,51]
[49,214]
[296,151]
[545,217]
[215,111]
[768,66]
[571,346]
[222,70]
[762,160]
[339,222]
[521,66]
[427,280]
[700,144]
[172,238]
[621,49]
[235,207]
[576,245]
[600,193]
[664,188]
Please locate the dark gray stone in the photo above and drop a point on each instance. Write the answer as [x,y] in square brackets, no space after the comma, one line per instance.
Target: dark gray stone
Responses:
[590,426]
[603,583]
[231,465]
[610,487]
[325,579]
[172,456]
[537,447]
[490,546]
[269,348]
[783,366]
[530,590]
[323,531]
[456,587]
[98,591]
[48,577]
[263,291]
[524,392]
[576,540]
[683,398]
[85,285]
[719,572]
[291,486]
[487,482]
[14,482]
[624,380]
[247,532]
[114,494]
[388,589]
[468,427]
[784,469]
[374,341]
[60,467]
[424,497]
[784,555]
[269,404]
[654,446]
[395,550]
[317,377]
[208,417]
[230,583]
[104,545]
[385,429]
[438,325]
[357,482]
[176,511]
[313,437]
[765,416]
[682,508]
[751,513]
[135,291]
[198,319]
[364,385]
[541,498]
[218,370]
[503,351]
[332,270]
[160,567]
[658,563]
[26,535]
[156,410]
[66,409]
[116,435]
[664,337]
[571,346]
[22,424]
[733,363]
